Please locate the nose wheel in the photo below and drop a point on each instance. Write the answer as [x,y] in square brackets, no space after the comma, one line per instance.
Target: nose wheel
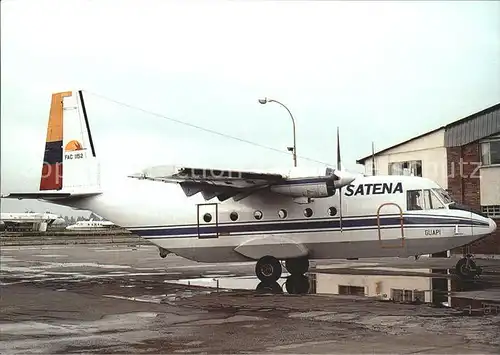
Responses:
[467,269]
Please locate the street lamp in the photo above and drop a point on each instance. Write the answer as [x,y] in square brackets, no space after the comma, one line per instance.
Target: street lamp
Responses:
[290,149]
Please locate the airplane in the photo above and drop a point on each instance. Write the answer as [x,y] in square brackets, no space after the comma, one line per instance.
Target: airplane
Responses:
[36,221]
[221,216]
[91,225]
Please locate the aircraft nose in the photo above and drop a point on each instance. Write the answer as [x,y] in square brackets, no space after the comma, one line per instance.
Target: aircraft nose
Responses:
[493,226]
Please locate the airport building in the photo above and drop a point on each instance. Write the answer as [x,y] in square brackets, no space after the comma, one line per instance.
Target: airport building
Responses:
[463,157]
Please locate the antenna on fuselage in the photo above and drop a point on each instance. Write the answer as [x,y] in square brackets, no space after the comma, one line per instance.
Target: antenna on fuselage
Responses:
[339,167]
[373,159]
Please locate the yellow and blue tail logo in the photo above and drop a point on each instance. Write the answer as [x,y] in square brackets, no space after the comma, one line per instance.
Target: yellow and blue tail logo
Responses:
[52,169]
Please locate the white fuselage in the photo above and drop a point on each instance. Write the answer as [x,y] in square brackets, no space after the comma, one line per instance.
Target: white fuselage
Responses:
[161,213]
[90,225]
[32,220]
[28,217]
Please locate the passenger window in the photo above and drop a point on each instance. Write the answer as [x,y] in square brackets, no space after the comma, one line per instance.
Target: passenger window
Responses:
[414,200]
[257,215]
[233,216]
[207,217]
[308,212]
[332,211]
[282,213]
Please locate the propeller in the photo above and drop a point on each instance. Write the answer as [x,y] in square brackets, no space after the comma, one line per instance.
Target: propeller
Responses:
[339,170]
[340,178]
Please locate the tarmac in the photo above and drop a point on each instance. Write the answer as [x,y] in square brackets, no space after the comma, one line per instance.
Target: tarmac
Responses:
[110,299]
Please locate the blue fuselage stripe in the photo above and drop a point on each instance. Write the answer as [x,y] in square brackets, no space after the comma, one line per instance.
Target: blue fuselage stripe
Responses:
[303,226]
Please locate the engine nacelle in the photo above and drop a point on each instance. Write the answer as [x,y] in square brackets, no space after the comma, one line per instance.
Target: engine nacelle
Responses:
[313,190]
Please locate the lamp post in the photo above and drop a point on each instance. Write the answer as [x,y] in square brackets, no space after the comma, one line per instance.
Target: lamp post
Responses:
[294,148]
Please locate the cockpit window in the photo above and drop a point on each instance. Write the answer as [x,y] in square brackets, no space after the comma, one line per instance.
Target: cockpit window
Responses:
[435,202]
[414,200]
[425,199]
[432,202]
[445,197]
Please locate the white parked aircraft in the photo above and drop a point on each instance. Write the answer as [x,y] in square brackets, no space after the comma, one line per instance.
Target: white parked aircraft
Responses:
[37,221]
[91,225]
[227,216]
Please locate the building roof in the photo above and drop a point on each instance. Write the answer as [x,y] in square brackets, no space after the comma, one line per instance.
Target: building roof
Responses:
[362,160]
[463,131]
[474,127]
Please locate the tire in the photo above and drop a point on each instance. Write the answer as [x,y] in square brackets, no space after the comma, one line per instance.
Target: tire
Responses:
[268,269]
[298,266]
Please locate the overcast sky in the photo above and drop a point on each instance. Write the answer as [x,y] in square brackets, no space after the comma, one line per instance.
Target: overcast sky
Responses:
[382,72]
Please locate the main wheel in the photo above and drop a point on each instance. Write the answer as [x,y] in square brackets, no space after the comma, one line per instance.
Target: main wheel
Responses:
[466,268]
[268,269]
[297,266]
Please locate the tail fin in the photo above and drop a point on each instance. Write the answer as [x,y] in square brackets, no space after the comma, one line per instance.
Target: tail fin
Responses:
[69,164]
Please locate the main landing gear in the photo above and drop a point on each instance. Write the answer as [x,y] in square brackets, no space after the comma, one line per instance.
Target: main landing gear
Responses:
[268,269]
[466,268]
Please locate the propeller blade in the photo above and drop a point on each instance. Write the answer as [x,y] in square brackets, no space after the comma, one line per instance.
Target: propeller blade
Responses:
[339,170]
[339,167]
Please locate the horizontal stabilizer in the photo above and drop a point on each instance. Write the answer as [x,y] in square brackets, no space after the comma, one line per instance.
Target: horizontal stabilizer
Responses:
[49,195]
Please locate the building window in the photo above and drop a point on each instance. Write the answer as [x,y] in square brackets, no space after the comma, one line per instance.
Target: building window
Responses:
[491,211]
[408,168]
[490,152]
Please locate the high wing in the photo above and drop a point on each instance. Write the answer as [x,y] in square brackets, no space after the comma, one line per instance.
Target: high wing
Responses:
[225,184]
[222,184]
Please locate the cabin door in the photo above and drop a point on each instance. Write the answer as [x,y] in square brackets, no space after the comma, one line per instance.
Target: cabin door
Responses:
[393,237]
[208,220]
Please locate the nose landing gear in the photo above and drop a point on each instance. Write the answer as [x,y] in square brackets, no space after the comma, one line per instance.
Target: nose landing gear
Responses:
[466,268]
